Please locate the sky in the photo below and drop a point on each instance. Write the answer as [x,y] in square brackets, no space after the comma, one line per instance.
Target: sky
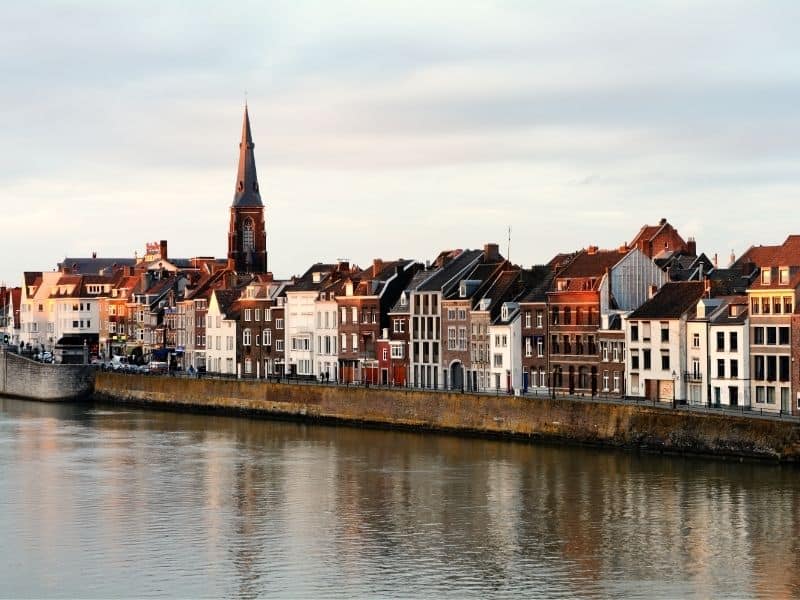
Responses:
[395,129]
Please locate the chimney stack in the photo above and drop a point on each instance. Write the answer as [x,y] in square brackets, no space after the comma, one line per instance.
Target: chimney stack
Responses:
[715,260]
[491,252]
[691,247]
[733,258]
[591,250]
[662,222]
[377,266]
[163,249]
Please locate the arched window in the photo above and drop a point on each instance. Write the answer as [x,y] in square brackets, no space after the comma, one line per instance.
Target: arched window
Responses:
[247,235]
[246,337]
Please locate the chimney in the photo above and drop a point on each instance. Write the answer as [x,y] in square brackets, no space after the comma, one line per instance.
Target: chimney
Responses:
[377,266]
[491,252]
[691,247]
[623,249]
[163,249]
[385,332]
[715,260]
[231,266]
[591,250]
[66,270]
[145,280]
[662,222]
[732,257]
[94,254]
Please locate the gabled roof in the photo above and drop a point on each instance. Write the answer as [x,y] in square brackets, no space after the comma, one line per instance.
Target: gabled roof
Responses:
[93,265]
[446,275]
[671,301]
[503,288]
[722,315]
[537,282]
[418,278]
[225,298]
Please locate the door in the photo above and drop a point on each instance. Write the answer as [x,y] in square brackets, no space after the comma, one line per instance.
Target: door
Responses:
[384,376]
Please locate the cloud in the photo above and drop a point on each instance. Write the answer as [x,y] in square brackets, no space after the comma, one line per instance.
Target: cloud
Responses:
[439,123]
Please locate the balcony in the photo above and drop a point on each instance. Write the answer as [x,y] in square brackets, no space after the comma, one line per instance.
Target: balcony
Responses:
[691,376]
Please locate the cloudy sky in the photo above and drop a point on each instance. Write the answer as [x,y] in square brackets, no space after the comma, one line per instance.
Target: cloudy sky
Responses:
[396,128]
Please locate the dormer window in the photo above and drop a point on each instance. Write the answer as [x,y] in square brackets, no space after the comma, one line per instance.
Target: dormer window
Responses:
[783,277]
[563,284]
[505,312]
[766,276]
[403,300]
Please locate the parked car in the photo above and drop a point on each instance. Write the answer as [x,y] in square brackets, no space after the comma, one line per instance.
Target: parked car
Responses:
[157,366]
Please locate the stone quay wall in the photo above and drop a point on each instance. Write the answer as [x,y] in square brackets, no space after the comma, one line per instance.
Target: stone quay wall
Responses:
[25,378]
[559,420]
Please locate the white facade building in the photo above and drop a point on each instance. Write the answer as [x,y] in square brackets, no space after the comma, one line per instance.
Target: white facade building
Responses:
[220,336]
[326,335]
[655,336]
[505,349]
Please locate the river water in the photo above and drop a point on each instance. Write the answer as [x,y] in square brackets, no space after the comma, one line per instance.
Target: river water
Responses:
[110,502]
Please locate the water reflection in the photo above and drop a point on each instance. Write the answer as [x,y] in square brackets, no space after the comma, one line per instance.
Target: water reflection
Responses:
[99,501]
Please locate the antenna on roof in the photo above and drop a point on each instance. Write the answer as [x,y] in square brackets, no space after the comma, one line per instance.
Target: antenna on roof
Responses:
[508,247]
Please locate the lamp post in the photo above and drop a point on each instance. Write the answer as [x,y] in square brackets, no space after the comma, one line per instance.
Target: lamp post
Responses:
[674,384]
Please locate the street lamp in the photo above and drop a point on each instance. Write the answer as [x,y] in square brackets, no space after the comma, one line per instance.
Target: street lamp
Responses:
[674,384]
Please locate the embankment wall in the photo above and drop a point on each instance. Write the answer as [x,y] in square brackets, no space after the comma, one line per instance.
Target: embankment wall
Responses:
[26,378]
[560,419]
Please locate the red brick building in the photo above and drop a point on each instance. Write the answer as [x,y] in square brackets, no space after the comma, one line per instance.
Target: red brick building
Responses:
[654,240]
[574,318]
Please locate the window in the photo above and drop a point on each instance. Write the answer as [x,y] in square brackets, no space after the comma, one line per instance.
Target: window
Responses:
[664,361]
[539,319]
[258,314]
[278,323]
[354,340]
[771,336]
[783,368]
[397,351]
[721,368]
[604,351]
[646,359]
[696,368]
[399,325]
[733,341]
[646,331]
[783,336]
[772,368]
[765,306]
[540,347]
[354,314]
[567,315]
[616,352]
[787,305]
[605,381]
[344,315]
[246,337]
[758,368]
[247,235]
[462,315]
[279,345]
[451,338]
[634,359]
[616,381]
[783,275]
[755,306]
[634,332]
[758,335]
[248,366]
[720,341]
[554,316]
[528,319]
[451,314]
[498,360]
[664,333]
[266,337]
[766,275]
[385,354]
[248,314]
[734,369]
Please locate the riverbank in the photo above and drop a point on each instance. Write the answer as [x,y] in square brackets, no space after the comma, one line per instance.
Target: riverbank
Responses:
[559,420]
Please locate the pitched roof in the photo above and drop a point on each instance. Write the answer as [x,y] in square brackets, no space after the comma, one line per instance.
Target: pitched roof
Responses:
[671,301]
[94,265]
[537,282]
[446,274]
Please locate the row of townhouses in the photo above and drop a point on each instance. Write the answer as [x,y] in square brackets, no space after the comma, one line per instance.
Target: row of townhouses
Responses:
[652,318]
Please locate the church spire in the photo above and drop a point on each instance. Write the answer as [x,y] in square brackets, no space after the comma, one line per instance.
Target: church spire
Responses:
[246,193]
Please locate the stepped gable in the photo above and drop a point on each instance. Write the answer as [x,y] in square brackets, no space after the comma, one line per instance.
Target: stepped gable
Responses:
[671,301]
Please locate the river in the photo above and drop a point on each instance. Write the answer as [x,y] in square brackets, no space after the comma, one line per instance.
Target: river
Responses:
[107,502]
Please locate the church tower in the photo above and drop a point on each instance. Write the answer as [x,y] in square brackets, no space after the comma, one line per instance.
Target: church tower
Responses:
[247,236]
